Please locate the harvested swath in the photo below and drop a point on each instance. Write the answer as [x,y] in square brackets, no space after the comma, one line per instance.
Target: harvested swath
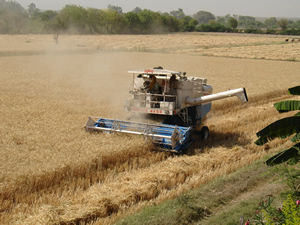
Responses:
[128,189]
[158,181]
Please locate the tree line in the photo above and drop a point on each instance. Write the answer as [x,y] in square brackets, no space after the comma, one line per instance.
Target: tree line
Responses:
[73,19]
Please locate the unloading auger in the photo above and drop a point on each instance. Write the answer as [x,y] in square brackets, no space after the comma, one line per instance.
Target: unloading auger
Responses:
[182,101]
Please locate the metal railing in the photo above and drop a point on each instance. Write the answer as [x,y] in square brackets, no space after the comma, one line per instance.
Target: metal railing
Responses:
[149,100]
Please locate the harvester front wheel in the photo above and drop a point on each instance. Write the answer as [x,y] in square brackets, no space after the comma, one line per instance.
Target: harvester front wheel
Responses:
[204,133]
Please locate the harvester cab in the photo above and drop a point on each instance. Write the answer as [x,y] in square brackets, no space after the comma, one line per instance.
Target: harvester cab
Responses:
[163,92]
[182,102]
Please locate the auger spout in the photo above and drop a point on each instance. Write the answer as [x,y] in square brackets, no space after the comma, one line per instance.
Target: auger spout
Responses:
[240,93]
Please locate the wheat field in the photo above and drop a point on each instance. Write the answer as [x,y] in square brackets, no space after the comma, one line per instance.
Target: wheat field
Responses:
[54,172]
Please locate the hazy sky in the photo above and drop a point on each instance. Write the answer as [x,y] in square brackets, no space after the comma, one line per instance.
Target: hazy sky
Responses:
[256,8]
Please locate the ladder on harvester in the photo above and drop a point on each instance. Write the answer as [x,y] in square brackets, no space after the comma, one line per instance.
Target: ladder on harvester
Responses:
[166,137]
[184,116]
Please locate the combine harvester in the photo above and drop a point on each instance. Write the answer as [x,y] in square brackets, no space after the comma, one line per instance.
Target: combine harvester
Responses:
[181,101]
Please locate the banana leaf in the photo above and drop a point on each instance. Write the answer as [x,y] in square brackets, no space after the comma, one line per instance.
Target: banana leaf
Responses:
[292,153]
[279,129]
[294,90]
[286,106]
[296,138]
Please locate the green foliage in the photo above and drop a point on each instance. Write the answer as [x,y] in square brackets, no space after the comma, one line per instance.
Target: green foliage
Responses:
[294,90]
[74,18]
[207,204]
[233,23]
[283,128]
[291,211]
[136,10]
[291,154]
[214,27]
[95,20]
[283,23]
[48,15]
[271,23]
[33,11]
[178,14]
[132,21]
[290,32]
[289,175]
[223,19]
[14,19]
[253,31]
[188,211]
[203,17]
[171,23]
[116,8]
[286,106]
[146,19]
[294,25]
[188,24]
[112,20]
[248,22]
[268,213]
[271,31]
[12,6]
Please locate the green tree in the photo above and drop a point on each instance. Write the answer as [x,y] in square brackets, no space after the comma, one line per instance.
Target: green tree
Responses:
[151,22]
[223,20]
[145,17]
[170,22]
[73,18]
[232,23]
[116,8]
[247,22]
[212,27]
[112,21]
[136,10]
[95,20]
[283,23]
[14,6]
[203,17]
[271,23]
[31,9]
[13,17]
[47,15]
[57,25]
[295,25]
[187,23]
[132,21]
[284,128]
[178,14]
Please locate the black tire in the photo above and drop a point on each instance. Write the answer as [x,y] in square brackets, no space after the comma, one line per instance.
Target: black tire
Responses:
[204,133]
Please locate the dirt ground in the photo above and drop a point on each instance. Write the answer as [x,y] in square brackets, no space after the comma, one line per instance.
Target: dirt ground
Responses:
[53,171]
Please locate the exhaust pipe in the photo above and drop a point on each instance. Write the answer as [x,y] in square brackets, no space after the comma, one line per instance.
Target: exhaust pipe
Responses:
[240,93]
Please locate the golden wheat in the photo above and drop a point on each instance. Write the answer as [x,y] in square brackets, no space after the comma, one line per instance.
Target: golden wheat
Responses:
[52,171]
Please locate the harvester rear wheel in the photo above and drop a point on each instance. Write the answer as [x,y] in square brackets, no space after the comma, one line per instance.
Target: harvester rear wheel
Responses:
[204,133]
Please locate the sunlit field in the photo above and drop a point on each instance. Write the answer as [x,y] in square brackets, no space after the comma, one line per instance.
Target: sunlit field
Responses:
[54,172]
